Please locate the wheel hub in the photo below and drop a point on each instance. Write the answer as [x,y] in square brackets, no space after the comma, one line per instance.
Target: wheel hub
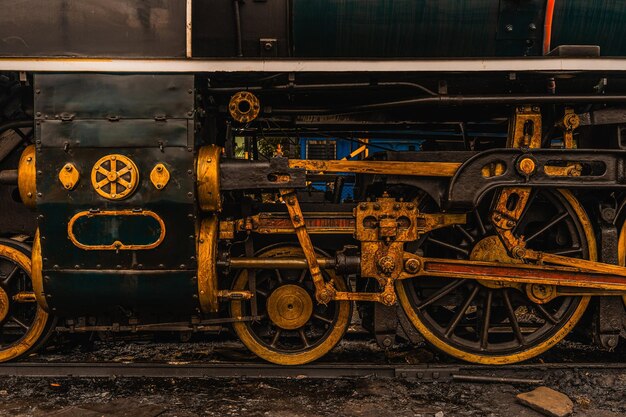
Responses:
[491,249]
[4,304]
[290,307]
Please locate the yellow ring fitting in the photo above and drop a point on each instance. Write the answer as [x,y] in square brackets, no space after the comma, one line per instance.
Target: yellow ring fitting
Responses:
[208,173]
[527,166]
[244,107]
[26,177]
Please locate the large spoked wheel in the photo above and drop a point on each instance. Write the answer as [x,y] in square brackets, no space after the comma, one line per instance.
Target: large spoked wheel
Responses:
[488,323]
[24,325]
[293,328]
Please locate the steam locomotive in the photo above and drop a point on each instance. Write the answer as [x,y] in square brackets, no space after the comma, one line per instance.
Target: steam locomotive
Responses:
[447,171]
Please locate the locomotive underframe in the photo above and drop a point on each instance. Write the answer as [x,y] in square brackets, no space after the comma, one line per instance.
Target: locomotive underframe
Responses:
[373,235]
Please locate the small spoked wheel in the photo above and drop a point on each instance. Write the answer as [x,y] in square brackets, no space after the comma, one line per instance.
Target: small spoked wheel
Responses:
[291,327]
[24,325]
[492,322]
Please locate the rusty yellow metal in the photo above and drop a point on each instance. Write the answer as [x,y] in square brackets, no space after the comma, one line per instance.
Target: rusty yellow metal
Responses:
[26,177]
[487,357]
[5,304]
[159,176]
[36,329]
[493,169]
[208,174]
[568,124]
[427,169]
[324,292]
[286,357]
[69,176]
[234,295]
[525,128]
[244,107]
[621,250]
[289,307]
[25,297]
[207,269]
[540,293]
[527,166]
[491,249]
[37,273]
[316,223]
[114,177]
[117,245]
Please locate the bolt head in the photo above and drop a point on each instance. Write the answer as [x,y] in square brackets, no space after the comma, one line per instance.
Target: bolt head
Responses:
[412,266]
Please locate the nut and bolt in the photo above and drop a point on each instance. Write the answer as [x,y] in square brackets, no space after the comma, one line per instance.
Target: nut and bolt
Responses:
[387,264]
[412,266]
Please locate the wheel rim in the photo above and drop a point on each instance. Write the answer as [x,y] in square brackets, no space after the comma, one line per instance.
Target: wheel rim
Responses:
[487,324]
[24,323]
[302,330]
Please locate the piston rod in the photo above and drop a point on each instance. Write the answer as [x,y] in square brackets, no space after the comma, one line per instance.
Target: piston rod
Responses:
[274,263]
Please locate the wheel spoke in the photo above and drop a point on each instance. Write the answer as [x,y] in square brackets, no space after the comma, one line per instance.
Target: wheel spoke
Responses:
[263,293]
[440,293]
[103,171]
[545,313]
[322,318]
[11,275]
[572,251]
[461,312]
[303,337]
[479,223]
[448,246]
[19,323]
[484,336]
[275,338]
[279,276]
[547,226]
[302,276]
[512,319]
[464,233]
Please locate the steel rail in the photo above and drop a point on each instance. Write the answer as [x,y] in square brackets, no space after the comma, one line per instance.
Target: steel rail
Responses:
[543,64]
[425,372]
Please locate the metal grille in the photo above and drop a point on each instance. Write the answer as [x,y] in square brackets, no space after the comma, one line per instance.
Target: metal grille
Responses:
[321,149]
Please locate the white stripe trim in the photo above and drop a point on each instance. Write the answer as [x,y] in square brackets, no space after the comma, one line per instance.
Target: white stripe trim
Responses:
[188,50]
[290,65]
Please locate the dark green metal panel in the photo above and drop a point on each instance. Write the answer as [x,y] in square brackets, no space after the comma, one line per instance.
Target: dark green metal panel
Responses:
[175,204]
[85,292]
[441,28]
[126,133]
[399,28]
[78,279]
[101,96]
[591,22]
[110,228]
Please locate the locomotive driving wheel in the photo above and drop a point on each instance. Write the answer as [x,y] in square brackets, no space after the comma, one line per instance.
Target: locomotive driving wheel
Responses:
[291,327]
[24,325]
[492,322]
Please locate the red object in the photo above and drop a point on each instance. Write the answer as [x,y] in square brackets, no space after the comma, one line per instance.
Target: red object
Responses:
[547,27]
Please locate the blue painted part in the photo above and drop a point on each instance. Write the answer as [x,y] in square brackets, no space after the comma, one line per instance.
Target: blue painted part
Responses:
[345,147]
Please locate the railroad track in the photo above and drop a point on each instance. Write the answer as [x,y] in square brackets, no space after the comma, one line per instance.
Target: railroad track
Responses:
[512,374]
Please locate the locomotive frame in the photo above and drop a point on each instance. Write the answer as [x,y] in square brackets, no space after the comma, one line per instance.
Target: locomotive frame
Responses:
[492,240]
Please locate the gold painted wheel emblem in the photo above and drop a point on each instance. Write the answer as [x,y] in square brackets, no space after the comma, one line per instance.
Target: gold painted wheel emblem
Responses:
[290,307]
[114,177]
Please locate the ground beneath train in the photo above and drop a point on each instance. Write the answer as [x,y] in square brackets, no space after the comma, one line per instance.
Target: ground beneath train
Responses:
[594,392]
